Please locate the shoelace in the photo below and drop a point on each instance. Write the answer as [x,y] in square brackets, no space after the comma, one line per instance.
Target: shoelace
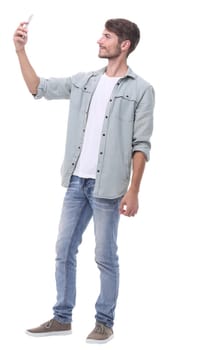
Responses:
[49,324]
[100,329]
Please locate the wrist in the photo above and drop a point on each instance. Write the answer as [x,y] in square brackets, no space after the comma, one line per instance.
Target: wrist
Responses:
[20,51]
[134,189]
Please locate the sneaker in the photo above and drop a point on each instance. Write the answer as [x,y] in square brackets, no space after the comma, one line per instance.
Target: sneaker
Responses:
[51,327]
[100,334]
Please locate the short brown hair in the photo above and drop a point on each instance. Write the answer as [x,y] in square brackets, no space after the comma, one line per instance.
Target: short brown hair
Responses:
[125,30]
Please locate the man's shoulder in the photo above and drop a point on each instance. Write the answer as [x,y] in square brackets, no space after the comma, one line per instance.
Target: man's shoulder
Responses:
[82,77]
[138,80]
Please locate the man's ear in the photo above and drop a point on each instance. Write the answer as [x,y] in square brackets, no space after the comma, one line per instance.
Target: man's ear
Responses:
[125,45]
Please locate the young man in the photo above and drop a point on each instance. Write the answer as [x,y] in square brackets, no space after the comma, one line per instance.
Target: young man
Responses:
[109,129]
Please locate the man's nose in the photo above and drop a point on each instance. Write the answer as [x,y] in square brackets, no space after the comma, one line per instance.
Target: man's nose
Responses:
[99,41]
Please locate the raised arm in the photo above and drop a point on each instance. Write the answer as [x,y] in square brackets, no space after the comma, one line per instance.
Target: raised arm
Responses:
[29,75]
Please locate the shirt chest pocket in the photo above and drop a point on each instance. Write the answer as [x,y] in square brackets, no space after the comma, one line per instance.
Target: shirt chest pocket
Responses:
[125,107]
[80,97]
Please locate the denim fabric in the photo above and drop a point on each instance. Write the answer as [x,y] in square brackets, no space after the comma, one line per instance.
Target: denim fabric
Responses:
[78,208]
[127,126]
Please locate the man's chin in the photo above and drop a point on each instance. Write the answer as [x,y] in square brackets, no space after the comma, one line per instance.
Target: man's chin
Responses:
[102,56]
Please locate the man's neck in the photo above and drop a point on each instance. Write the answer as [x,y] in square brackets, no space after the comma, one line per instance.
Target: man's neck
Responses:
[116,68]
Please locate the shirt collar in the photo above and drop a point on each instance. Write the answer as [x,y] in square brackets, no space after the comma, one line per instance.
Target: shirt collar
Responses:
[129,73]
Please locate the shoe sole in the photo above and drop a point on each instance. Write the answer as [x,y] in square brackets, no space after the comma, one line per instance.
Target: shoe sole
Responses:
[47,334]
[94,341]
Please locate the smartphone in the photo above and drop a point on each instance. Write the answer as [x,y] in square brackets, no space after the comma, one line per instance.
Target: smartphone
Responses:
[28,22]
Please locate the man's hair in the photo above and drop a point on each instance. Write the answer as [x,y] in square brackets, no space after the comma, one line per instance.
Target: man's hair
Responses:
[125,30]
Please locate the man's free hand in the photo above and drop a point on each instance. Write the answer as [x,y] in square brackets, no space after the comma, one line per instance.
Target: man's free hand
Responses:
[129,203]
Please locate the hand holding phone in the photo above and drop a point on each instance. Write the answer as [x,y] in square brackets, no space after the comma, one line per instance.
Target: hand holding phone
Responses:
[20,35]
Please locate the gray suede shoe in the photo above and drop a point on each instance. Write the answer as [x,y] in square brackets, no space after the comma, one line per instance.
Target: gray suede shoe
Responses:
[51,327]
[100,334]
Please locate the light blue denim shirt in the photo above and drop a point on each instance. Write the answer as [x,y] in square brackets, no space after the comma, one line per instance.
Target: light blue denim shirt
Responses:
[127,126]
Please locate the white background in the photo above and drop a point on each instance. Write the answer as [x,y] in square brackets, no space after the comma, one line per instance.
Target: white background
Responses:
[160,303]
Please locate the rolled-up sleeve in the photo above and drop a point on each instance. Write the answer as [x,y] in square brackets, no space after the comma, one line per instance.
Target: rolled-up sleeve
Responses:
[143,124]
[54,88]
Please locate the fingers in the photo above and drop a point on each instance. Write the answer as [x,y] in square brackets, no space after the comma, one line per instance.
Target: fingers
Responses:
[124,210]
[127,210]
[21,32]
[20,36]
[22,29]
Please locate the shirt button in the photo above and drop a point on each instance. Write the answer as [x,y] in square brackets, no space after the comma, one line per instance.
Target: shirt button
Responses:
[103,134]
[73,163]
[110,100]
[98,171]
[78,147]
[101,153]
[83,130]
[106,116]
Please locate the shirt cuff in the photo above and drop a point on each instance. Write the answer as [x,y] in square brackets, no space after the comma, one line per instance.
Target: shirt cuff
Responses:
[144,150]
[41,89]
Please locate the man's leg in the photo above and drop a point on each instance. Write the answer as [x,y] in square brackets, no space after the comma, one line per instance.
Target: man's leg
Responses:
[106,218]
[75,216]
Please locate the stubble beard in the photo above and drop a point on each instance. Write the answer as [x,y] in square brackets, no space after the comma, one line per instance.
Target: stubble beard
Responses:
[110,55]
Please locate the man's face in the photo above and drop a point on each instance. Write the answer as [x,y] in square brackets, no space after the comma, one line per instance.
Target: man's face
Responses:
[109,46]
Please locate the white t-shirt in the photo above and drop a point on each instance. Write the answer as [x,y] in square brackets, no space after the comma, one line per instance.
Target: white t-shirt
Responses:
[87,163]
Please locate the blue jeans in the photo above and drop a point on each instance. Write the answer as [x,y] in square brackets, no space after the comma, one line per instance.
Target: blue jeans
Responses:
[78,208]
